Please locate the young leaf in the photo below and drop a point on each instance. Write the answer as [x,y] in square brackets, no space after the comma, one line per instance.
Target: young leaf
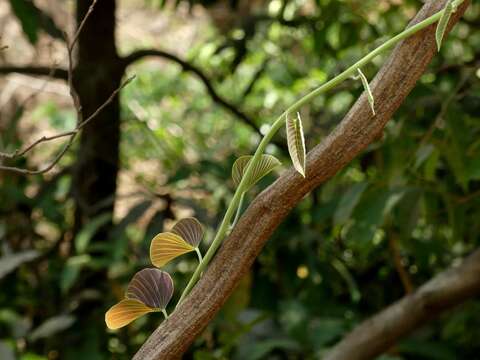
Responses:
[443,22]
[190,230]
[150,290]
[296,143]
[366,86]
[153,287]
[266,164]
[167,246]
[125,312]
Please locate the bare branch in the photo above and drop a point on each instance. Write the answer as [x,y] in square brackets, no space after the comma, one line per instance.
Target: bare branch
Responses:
[58,73]
[71,134]
[357,130]
[378,333]
[188,67]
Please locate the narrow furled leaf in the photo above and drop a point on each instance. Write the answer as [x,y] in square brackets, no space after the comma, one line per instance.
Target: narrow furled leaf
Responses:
[366,86]
[266,164]
[153,287]
[167,246]
[296,143]
[125,312]
[190,230]
[443,22]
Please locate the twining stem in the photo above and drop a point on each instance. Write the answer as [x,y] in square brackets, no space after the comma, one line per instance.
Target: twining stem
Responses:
[352,70]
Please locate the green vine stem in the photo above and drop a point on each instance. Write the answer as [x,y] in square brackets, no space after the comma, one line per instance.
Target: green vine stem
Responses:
[239,212]
[352,70]
[199,254]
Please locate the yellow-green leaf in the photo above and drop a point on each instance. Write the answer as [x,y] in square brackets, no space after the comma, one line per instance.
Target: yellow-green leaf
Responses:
[443,22]
[167,246]
[266,164]
[366,86]
[296,143]
[125,312]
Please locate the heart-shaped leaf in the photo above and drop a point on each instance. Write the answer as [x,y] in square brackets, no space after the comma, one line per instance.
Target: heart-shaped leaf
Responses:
[190,230]
[366,86]
[443,22]
[296,143]
[167,246]
[266,164]
[153,287]
[125,312]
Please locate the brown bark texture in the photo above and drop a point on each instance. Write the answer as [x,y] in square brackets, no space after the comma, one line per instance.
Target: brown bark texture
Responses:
[357,130]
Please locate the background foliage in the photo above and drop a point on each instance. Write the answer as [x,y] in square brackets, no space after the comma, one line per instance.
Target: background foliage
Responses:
[397,215]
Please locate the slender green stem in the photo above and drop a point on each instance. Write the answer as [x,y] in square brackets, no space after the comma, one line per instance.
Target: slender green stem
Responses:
[164,312]
[224,226]
[239,212]
[199,254]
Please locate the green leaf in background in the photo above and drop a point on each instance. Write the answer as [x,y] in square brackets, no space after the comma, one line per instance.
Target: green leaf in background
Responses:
[72,270]
[85,235]
[52,326]
[32,19]
[348,202]
[9,263]
[296,142]
[266,164]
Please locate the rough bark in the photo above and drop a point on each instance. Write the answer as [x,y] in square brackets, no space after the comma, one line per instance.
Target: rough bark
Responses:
[358,129]
[97,74]
[380,332]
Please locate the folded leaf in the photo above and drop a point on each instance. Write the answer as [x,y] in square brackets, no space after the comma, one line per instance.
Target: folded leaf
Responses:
[190,230]
[125,312]
[153,287]
[366,86]
[167,246]
[296,143]
[443,22]
[266,164]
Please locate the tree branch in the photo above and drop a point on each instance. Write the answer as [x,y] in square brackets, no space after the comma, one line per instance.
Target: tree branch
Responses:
[56,73]
[356,131]
[378,333]
[188,67]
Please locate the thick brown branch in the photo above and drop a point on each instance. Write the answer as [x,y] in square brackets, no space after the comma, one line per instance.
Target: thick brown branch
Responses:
[380,332]
[58,73]
[186,66]
[357,130]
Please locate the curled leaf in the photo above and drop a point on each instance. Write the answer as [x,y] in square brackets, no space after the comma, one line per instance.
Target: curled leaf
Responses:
[153,287]
[443,22]
[366,86]
[125,312]
[190,230]
[167,246]
[296,143]
[266,164]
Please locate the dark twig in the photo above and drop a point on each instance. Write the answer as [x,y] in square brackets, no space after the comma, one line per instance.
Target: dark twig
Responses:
[188,67]
[59,73]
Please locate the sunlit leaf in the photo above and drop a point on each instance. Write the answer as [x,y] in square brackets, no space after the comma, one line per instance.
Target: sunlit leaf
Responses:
[167,246]
[296,143]
[190,230]
[153,287]
[366,86]
[266,164]
[125,312]
[443,22]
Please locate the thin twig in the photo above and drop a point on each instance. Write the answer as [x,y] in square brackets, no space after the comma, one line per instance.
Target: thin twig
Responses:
[71,133]
[76,102]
